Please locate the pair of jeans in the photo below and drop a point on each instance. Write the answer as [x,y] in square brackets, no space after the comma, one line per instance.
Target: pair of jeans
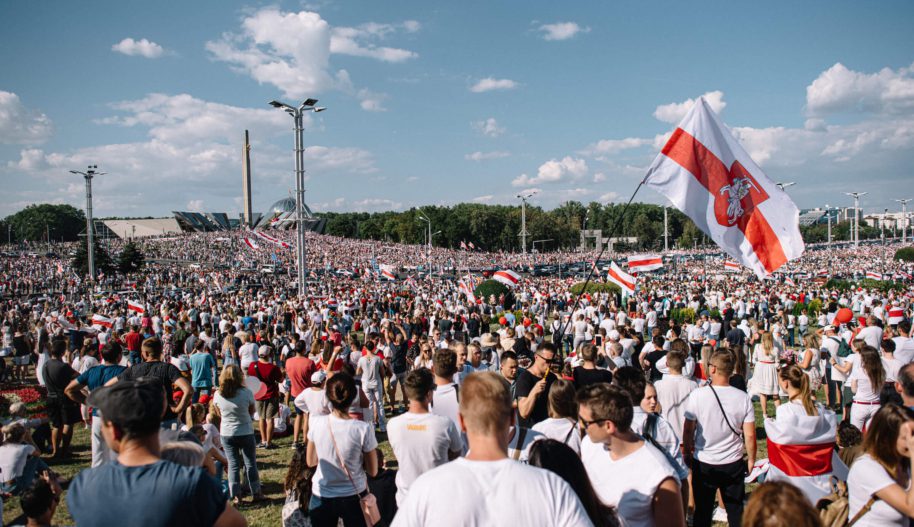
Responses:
[376,404]
[707,479]
[241,450]
[325,512]
[34,465]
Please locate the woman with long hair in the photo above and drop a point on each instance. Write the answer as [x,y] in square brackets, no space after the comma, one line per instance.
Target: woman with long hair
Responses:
[562,424]
[560,459]
[809,360]
[764,382]
[343,450]
[879,483]
[229,351]
[234,403]
[799,393]
[866,379]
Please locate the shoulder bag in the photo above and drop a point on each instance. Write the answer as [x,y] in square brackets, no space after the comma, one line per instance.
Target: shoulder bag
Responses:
[367,500]
[724,413]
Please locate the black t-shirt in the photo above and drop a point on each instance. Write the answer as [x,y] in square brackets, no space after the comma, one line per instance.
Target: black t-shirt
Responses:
[398,357]
[652,359]
[57,375]
[165,373]
[584,377]
[525,383]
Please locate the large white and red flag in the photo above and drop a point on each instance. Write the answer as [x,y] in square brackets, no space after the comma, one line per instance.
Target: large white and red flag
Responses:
[251,243]
[873,275]
[275,241]
[467,290]
[507,277]
[706,173]
[644,262]
[135,306]
[103,321]
[622,279]
[387,272]
[801,451]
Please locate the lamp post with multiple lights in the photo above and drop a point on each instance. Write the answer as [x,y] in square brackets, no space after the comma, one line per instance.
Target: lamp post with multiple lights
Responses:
[90,227]
[523,219]
[297,113]
[856,196]
[904,217]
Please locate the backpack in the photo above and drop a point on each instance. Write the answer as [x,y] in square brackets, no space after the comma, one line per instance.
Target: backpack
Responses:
[834,508]
[843,349]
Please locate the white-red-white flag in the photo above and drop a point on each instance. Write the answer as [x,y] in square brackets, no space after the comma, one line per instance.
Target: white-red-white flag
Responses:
[507,277]
[99,320]
[251,243]
[387,272]
[706,173]
[463,245]
[467,290]
[730,265]
[873,276]
[644,262]
[622,279]
[275,241]
[135,306]
[801,451]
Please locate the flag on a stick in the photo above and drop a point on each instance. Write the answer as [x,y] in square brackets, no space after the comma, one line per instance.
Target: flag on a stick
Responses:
[644,262]
[135,306]
[730,265]
[251,243]
[622,279]
[507,277]
[706,173]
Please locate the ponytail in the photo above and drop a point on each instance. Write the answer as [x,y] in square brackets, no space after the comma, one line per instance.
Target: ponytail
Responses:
[793,375]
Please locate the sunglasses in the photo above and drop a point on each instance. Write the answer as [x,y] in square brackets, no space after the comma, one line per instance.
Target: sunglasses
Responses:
[585,424]
[548,361]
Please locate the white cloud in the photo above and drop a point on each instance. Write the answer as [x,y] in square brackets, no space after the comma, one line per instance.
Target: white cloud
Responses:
[483,199]
[195,205]
[489,127]
[142,48]
[19,125]
[562,30]
[360,41]
[674,112]
[839,89]
[599,177]
[371,101]
[375,205]
[614,146]
[554,171]
[608,197]
[490,83]
[481,156]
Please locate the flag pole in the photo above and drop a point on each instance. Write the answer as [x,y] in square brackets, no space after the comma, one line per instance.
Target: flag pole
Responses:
[612,233]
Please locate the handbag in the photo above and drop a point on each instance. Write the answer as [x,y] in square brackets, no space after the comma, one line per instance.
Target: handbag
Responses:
[367,500]
[292,515]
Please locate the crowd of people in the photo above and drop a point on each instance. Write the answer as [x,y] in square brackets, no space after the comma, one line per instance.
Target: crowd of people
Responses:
[542,408]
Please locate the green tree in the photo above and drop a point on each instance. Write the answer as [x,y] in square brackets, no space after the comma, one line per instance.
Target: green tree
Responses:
[33,223]
[131,259]
[80,261]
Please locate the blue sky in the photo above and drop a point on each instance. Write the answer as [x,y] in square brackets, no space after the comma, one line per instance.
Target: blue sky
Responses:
[443,102]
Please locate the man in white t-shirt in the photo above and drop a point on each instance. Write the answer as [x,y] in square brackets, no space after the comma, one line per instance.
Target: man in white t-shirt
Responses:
[446,399]
[467,490]
[904,344]
[720,420]
[872,333]
[421,440]
[673,390]
[625,471]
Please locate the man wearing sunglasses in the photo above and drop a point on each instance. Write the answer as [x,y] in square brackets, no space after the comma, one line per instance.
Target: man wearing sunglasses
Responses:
[533,387]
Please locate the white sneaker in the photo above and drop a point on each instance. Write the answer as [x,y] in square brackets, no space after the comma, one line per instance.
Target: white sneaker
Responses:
[720,515]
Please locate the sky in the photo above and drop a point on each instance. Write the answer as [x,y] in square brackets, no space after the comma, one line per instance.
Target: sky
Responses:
[437,103]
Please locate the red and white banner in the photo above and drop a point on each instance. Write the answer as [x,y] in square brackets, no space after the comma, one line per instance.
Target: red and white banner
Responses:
[99,320]
[135,306]
[873,276]
[467,290]
[706,173]
[895,316]
[731,266]
[463,245]
[251,243]
[622,279]
[801,451]
[644,262]
[275,241]
[387,272]
[789,281]
[507,277]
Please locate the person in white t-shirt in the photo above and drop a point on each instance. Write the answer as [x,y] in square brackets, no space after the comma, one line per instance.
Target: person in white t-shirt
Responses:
[673,390]
[719,425]
[457,493]
[626,472]
[370,367]
[446,399]
[866,379]
[562,424]
[872,333]
[421,440]
[879,486]
[904,344]
[336,486]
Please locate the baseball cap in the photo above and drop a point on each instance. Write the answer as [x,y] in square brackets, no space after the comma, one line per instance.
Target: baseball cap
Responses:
[264,351]
[828,328]
[136,407]
[180,362]
[318,377]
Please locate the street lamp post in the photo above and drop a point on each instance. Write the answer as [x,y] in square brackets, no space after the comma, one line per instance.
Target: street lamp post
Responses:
[856,196]
[90,226]
[523,219]
[904,217]
[428,240]
[666,232]
[297,113]
[782,186]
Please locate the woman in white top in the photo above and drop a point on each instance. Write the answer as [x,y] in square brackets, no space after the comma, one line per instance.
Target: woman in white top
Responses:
[879,484]
[424,360]
[336,487]
[563,416]
[866,382]
[764,381]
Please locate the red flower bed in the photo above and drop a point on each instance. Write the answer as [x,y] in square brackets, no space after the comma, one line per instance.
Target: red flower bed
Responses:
[26,395]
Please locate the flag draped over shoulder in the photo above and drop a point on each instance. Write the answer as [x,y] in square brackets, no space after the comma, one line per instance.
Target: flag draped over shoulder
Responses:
[706,173]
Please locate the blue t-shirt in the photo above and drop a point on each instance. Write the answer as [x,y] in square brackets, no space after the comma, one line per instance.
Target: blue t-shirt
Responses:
[97,376]
[201,368]
[161,494]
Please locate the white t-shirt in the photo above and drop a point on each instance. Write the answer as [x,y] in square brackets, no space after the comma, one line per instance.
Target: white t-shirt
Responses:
[446,402]
[830,345]
[420,443]
[563,429]
[865,479]
[248,355]
[663,434]
[904,349]
[872,335]
[313,402]
[715,442]
[891,367]
[280,422]
[355,439]
[688,367]
[672,392]
[522,451]
[13,457]
[370,366]
[629,484]
[490,493]
[865,392]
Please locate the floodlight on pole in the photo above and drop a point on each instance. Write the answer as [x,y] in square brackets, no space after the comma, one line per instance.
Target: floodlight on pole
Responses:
[523,218]
[856,196]
[428,239]
[904,217]
[299,149]
[782,186]
[90,226]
